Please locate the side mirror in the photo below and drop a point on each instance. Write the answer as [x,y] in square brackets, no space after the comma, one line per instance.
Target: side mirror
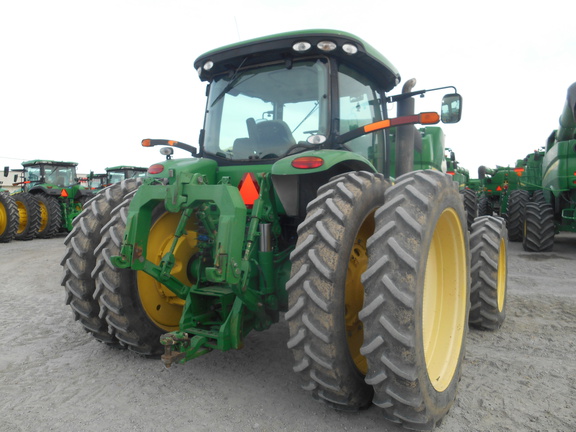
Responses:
[6,171]
[451,108]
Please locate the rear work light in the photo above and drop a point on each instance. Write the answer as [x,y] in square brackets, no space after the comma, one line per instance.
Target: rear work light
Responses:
[307,162]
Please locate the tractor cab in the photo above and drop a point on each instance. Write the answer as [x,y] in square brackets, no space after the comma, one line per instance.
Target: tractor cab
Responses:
[313,90]
[50,173]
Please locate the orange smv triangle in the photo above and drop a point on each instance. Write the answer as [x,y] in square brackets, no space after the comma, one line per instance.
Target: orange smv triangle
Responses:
[249,189]
[64,193]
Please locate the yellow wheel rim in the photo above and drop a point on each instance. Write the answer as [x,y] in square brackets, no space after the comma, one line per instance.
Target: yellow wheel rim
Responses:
[502,271]
[3,219]
[354,293]
[444,300]
[163,307]
[23,217]
[43,216]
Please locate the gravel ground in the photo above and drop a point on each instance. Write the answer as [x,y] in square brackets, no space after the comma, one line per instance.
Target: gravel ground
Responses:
[55,377]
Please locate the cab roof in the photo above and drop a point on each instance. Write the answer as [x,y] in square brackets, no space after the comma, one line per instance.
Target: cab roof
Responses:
[279,47]
[47,162]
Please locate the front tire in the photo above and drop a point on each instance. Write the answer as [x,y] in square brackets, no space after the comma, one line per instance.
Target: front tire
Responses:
[325,291]
[539,228]
[516,207]
[488,249]
[417,288]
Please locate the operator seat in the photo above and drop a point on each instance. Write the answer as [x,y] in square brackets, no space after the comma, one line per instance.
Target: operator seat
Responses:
[274,137]
[271,137]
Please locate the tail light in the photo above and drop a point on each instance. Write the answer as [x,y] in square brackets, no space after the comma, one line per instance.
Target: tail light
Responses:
[155,169]
[307,162]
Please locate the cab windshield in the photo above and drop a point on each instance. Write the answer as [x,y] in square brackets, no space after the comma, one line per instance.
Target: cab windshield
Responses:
[265,113]
[62,176]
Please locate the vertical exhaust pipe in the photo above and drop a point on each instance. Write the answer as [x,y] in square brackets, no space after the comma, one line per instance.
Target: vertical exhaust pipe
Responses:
[405,134]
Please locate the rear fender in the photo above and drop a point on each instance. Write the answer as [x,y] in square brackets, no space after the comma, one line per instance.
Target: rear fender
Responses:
[296,187]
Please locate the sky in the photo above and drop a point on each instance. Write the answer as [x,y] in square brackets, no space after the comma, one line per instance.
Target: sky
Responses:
[87,80]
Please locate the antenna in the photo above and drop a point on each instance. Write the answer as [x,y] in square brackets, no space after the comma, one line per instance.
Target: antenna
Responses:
[237,29]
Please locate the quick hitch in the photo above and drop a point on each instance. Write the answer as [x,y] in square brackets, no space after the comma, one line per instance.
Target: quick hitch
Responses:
[179,347]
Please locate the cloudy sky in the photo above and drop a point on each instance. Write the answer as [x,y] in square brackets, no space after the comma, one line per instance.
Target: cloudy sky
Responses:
[87,80]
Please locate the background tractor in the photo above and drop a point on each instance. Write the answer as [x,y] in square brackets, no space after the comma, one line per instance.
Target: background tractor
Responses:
[115,175]
[53,188]
[529,171]
[553,207]
[496,185]
[289,208]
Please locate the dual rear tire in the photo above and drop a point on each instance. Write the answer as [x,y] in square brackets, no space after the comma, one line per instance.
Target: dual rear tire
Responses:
[9,218]
[414,290]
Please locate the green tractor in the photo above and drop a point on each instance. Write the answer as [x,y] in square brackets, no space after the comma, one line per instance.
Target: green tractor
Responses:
[51,197]
[529,171]
[553,207]
[115,175]
[9,216]
[496,186]
[289,210]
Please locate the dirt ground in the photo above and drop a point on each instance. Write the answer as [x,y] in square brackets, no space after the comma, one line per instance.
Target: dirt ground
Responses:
[55,377]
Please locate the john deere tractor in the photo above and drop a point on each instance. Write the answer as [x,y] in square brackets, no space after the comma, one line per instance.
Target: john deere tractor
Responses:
[115,174]
[529,171]
[496,187]
[288,210]
[53,188]
[553,207]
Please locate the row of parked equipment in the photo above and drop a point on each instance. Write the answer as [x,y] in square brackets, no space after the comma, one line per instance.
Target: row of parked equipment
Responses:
[50,196]
[536,196]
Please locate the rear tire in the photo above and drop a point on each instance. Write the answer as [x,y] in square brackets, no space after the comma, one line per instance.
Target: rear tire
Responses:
[470,205]
[516,207]
[485,206]
[325,291]
[50,216]
[8,217]
[29,216]
[538,196]
[79,260]
[138,308]
[539,227]
[417,288]
[489,272]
